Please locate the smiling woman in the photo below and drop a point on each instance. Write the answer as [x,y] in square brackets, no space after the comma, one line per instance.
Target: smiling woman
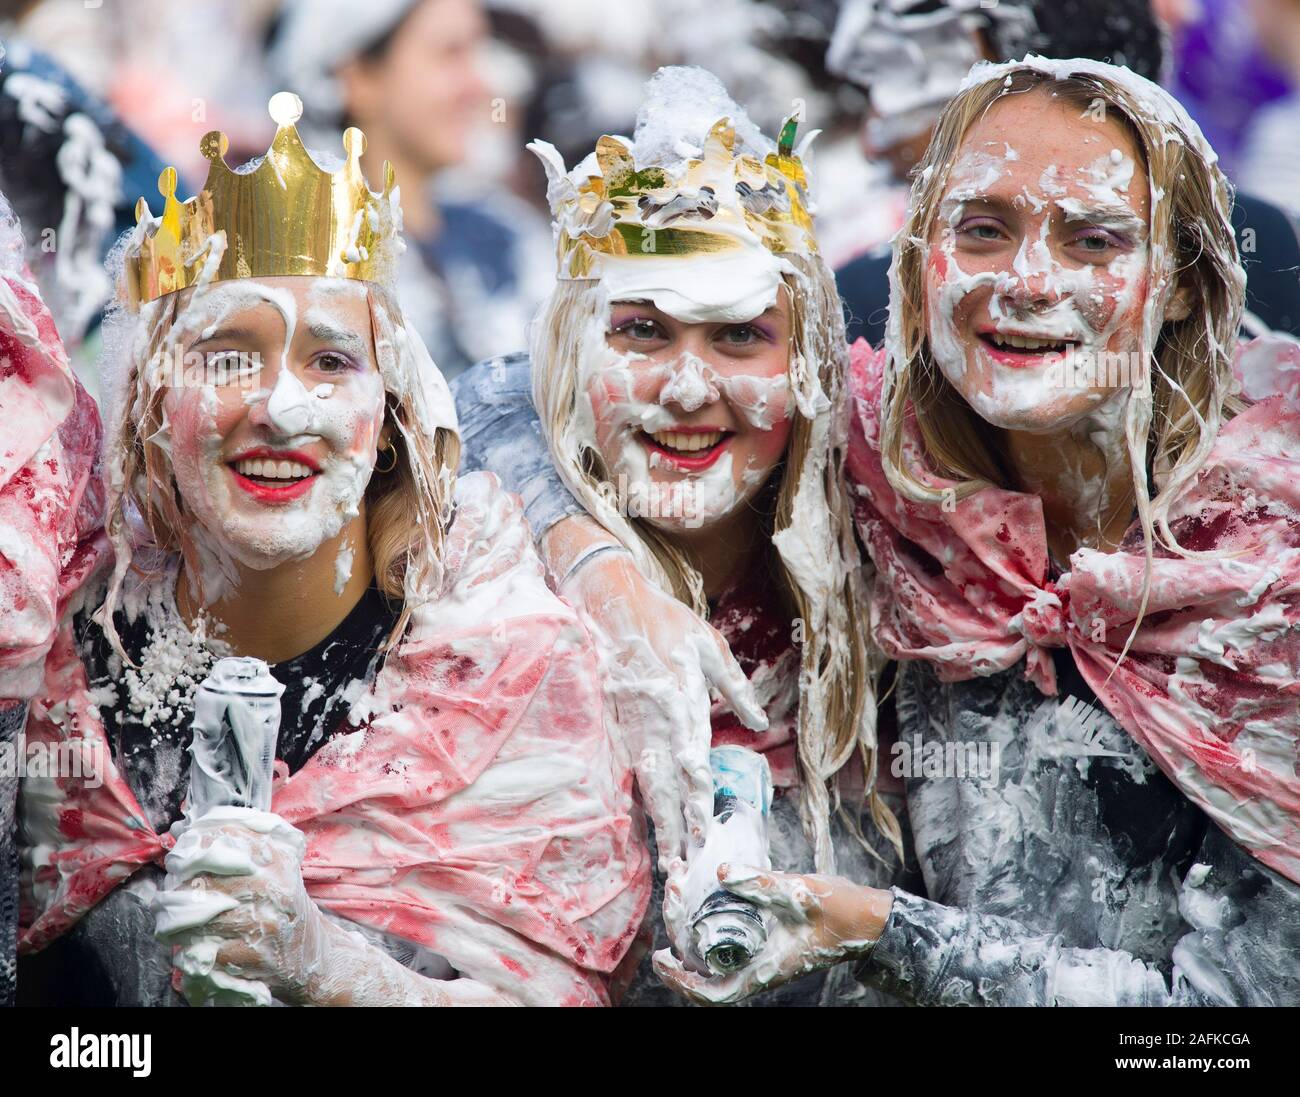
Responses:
[326,435]
[316,365]
[281,465]
[1060,215]
[272,444]
[687,370]
[699,395]
[1094,581]
[1064,216]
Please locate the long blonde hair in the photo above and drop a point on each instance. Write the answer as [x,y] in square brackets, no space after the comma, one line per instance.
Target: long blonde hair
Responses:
[1172,424]
[837,710]
[407,506]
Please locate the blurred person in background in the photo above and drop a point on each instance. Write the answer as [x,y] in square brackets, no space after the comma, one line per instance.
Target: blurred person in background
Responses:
[911,56]
[67,162]
[1221,72]
[1270,163]
[796,33]
[61,29]
[409,73]
[908,57]
[588,70]
[171,72]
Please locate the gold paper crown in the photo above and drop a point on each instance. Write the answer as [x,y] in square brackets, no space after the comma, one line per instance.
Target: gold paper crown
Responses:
[713,204]
[287,216]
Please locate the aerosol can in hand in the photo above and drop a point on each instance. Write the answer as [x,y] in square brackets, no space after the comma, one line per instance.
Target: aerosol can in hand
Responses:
[726,931]
[236,725]
[232,758]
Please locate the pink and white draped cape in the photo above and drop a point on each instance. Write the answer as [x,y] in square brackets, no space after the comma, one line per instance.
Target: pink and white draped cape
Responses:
[478,811]
[1210,687]
[50,497]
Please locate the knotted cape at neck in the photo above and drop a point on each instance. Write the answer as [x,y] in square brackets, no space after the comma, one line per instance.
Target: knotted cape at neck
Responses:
[1210,687]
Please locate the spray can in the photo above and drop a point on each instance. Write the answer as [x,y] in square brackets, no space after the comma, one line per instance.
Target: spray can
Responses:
[726,930]
[236,724]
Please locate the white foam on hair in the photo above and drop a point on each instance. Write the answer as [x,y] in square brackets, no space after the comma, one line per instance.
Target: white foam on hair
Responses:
[679,107]
[1156,104]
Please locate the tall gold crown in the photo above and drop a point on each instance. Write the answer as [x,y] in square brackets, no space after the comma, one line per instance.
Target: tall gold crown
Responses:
[716,203]
[287,216]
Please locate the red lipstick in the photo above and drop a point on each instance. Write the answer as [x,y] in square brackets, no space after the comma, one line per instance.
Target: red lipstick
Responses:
[284,492]
[699,460]
[1019,357]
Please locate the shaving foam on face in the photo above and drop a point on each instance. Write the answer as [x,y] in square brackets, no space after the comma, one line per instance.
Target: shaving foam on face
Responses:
[209,422]
[343,567]
[1169,120]
[729,288]
[625,396]
[1044,295]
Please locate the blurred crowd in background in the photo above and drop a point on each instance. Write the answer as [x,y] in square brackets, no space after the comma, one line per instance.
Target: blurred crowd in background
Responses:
[96,97]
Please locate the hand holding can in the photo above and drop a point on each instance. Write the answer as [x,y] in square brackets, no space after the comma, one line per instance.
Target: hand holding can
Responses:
[726,931]
[232,759]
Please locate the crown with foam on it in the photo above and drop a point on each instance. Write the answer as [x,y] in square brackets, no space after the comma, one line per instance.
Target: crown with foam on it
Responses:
[720,202]
[286,217]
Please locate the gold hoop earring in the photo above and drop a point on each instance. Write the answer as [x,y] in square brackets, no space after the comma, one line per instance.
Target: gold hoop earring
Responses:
[389,449]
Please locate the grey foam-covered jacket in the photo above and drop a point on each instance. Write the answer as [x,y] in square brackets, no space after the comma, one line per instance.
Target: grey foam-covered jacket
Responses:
[1076,873]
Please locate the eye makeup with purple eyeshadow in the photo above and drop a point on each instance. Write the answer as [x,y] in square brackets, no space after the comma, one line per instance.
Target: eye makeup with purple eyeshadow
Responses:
[765,331]
[1103,236]
[973,224]
[347,365]
[625,320]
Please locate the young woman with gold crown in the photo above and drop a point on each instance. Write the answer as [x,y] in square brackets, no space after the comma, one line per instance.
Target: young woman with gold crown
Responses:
[688,371]
[447,824]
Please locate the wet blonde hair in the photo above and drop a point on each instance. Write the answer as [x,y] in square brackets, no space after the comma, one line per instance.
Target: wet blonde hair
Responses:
[407,507]
[1171,422]
[837,710]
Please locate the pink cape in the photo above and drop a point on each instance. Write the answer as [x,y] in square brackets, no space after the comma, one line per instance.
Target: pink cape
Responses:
[50,497]
[1211,685]
[478,811]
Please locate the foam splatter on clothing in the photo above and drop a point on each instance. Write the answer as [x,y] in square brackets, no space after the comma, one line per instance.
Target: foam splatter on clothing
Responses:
[1077,874]
[477,811]
[50,494]
[49,504]
[111,957]
[1138,841]
[148,704]
[759,636]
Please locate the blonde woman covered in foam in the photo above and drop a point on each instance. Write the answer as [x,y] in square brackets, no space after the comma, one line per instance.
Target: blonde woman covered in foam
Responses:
[1087,549]
[448,824]
[688,370]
